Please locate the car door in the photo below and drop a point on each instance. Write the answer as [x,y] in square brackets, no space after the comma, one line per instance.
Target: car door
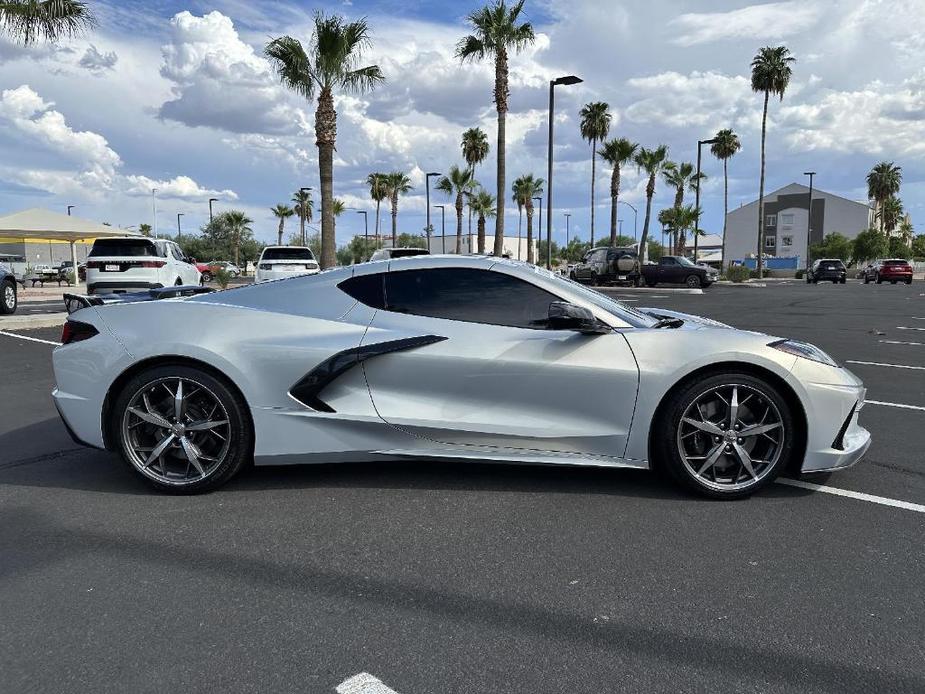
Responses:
[668,269]
[490,373]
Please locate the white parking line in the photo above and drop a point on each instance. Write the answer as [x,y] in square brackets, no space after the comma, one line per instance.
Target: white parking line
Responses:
[878,363]
[860,496]
[30,339]
[894,404]
[903,327]
[364,683]
[900,342]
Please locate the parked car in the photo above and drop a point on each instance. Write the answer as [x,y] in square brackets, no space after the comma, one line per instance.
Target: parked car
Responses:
[67,266]
[388,253]
[278,262]
[827,270]
[132,263]
[429,358]
[8,296]
[893,270]
[608,265]
[676,269]
[208,269]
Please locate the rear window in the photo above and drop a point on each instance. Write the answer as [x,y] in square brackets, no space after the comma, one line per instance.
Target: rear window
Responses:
[901,263]
[405,252]
[123,248]
[832,265]
[287,254]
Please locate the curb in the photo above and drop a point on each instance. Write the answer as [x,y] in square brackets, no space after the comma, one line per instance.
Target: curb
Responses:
[727,283]
[670,290]
[37,320]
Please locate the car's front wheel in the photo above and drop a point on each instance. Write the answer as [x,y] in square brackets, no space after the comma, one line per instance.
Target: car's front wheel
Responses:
[725,436]
[8,300]
[692,281]
[182,429]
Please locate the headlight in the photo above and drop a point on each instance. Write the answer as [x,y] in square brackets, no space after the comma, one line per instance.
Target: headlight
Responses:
[805,350]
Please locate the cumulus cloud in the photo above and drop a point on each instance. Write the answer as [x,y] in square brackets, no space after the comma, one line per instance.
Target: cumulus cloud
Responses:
[220,81]
[96,61]
[182,187]
[773,20]
[708,99]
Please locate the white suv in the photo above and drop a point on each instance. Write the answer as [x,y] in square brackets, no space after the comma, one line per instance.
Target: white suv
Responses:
[134,263]
[277,262]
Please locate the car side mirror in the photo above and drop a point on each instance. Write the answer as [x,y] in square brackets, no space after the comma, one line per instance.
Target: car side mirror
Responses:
[565,316]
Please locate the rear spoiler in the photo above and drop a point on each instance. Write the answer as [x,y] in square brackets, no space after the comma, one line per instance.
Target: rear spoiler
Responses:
[75,302]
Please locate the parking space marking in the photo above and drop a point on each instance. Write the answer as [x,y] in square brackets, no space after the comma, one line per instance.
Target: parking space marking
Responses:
[860,496]
[904,327]
[30,339]
[879,363]
[894,404]
[364,683]
[900,342]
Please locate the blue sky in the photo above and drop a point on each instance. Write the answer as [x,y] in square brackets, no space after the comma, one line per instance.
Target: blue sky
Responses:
[176,95]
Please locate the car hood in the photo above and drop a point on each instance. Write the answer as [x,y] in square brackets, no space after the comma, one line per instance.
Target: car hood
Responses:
[691,322]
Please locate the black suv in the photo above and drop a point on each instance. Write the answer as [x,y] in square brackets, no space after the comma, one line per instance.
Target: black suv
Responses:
[608,266]
[827,270]
[8,298]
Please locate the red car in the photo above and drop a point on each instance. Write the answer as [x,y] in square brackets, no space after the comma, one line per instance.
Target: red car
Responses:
[892,271]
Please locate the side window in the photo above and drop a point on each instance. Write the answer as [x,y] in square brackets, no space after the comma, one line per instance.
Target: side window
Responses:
[175,251]
[475,296]
[367,289]
[666,261]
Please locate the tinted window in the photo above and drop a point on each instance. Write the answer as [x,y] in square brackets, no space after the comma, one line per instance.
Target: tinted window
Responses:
[901,263]
[667,261]
[287,254]
[122,248]
[476,296]
[406,252]
[177,253]
[367,289]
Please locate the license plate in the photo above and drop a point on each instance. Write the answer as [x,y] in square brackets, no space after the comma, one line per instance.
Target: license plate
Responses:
[111,268]
[621,277]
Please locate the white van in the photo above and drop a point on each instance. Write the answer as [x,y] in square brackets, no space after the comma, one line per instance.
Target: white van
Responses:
[135,263]
[278,262]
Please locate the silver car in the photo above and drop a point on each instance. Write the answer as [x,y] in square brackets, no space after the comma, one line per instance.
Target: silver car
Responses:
[447,357]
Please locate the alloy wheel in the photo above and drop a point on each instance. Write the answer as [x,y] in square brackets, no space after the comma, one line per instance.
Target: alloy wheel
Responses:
[731,437]
[9,297]
[176,431]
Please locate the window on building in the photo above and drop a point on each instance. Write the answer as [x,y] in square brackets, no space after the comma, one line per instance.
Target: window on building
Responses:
[786,240]
[771,220]
[786,219]
[770,242]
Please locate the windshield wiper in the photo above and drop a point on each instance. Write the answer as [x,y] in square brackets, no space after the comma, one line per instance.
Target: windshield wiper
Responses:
[669,323]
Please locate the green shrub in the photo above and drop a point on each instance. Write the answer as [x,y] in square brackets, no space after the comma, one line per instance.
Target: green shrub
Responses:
[738,273]
[222,277]
[70,277]
[799,274]
[753,274]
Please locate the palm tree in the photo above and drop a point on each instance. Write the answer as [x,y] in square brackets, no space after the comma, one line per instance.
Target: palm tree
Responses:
[883,182]
[281,212]
[474,146]
[483,204]
[337,209]
[457,182]
[378,191]
[890,213]
[496,32]
[396,183]
[616,152]
[237,224]
[304,207]
[680,177]
[680,219]
[525,189]
[31,20]
[331,63]
[519,196]
[652,161]
[770,75]
[725,147]
[594,126]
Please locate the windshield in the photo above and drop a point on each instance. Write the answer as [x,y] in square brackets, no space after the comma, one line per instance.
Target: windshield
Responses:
[687,262]
[287,254]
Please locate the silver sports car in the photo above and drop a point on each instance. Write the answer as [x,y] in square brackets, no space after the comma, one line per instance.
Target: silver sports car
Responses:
[449,357]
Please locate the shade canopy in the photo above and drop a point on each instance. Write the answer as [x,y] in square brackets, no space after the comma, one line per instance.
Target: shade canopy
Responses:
[38,224]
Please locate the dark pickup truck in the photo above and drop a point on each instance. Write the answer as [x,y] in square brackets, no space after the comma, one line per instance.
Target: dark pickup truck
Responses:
[676,269]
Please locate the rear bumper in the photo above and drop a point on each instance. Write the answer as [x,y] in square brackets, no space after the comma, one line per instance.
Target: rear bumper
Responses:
[125,286]
[268,275]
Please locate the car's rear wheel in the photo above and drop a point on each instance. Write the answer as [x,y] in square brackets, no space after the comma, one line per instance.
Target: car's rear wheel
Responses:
[730,435]
[692,281]
[909,281]
[8,298]
[182,429]
[206,276]
[879,279]
[866,279]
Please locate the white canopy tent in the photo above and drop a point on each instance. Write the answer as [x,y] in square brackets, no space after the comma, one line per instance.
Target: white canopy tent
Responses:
[37,224]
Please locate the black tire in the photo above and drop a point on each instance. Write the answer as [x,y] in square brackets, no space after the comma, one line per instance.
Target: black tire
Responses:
[892,281]
[909,281]
[693,281]
[866,279]
[843,280]
[665,435]
[206,276]
[240,435]
[879,280]
[651,283]
[638,282]
[595,282]
[8,298]
[808,279]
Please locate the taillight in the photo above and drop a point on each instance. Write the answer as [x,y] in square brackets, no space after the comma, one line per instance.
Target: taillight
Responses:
[75,331]
[94,265]
[150,263]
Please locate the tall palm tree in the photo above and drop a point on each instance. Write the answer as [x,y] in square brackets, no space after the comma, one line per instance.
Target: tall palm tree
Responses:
[525,189]
[28,21]
[680,177]
[680,219]
[331,63]
[337,209]
[652,161]
[883,182]
[457,182]
[483,204]
[519,197]
[396,184]
[890,214]
[474,147]
[594,124]
[497,32]
[771,74]
[378,191]
[303,206]
[238,224]
[616,152]
[726,145]
[281,212]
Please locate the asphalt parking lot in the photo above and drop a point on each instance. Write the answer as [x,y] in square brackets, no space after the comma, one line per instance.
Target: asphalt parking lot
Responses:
[439,578]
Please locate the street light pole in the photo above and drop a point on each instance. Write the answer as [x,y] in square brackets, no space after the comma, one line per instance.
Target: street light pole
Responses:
[427,178]
[69,208]
[365,224]
[809,215]
[154,200]
[179,230]
[539,225]
[567,80]
[567,216]
[442,209]
[211,200]
[635,215]
[700,143]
